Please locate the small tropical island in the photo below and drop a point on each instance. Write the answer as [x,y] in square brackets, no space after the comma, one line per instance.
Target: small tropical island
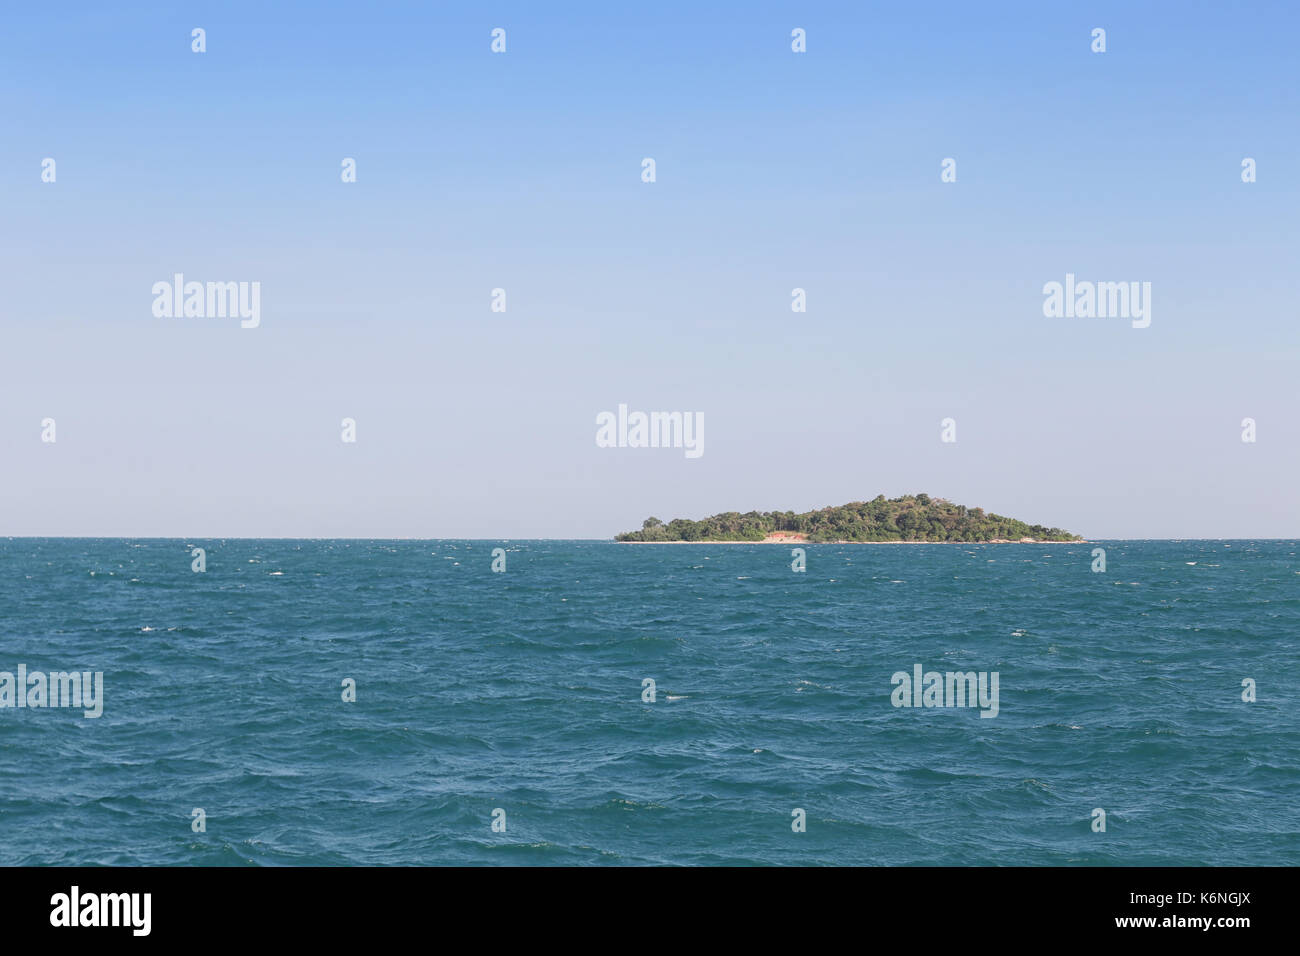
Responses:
[910,518]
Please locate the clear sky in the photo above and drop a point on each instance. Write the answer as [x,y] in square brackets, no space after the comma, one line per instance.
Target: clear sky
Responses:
[522,171]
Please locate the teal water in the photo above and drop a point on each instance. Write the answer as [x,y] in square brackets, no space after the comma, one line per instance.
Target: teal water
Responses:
[522,691]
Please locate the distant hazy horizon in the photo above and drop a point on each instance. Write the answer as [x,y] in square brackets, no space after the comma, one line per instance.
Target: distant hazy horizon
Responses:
[610,540]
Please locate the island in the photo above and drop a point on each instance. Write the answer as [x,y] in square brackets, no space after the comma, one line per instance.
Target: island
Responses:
[911,518]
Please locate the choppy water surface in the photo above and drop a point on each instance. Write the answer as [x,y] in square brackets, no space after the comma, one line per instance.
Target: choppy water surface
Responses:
[522,691]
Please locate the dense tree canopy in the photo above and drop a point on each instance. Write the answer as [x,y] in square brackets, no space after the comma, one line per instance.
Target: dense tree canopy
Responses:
[909,518]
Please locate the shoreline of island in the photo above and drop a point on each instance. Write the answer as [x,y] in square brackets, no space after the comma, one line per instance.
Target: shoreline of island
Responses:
[801,540]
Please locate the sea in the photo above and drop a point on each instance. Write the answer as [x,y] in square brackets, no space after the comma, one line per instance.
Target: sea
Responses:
[438,702]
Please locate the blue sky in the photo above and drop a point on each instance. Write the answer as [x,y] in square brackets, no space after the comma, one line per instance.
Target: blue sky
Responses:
[521,171]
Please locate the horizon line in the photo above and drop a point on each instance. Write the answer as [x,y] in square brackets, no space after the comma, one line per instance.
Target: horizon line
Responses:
[609,540]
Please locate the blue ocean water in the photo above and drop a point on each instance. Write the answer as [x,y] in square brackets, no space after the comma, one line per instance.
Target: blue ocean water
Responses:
[522,691]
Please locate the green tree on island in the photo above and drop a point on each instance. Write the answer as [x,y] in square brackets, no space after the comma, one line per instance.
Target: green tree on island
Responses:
[909,518]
